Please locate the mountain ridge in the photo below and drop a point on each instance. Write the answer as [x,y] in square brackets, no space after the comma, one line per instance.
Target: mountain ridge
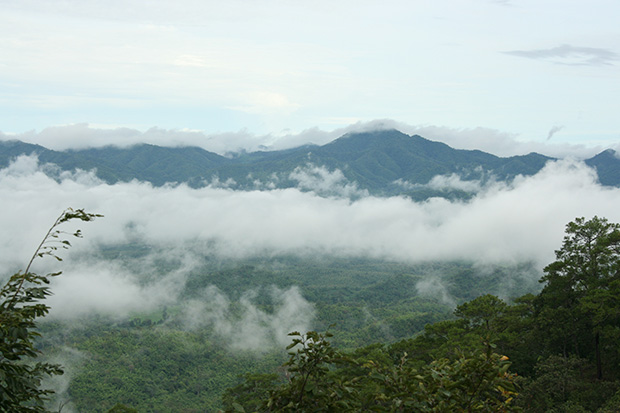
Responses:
[378,162]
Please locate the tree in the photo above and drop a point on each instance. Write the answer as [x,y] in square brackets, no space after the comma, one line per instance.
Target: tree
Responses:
[580,295]
[121,408]
[311,386]
[484,315]
[321,378]
[20,306]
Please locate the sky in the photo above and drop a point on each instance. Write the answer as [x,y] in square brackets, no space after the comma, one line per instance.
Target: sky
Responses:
[508,77]
[504,76]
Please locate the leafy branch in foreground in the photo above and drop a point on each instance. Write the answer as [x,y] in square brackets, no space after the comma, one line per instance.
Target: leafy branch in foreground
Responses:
[20,306]
[321,378]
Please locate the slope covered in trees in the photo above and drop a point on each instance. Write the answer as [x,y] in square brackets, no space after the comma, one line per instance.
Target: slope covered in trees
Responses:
[383,163]
[159,359]
[394,346]
[555,351]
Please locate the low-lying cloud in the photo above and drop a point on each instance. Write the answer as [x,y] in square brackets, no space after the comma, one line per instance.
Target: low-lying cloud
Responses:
[250,328]
[82,135]
[322,181]
[523,221]
[110,289]
[447,183]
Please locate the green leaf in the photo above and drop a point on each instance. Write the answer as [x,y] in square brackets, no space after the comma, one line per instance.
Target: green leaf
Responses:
[238,407]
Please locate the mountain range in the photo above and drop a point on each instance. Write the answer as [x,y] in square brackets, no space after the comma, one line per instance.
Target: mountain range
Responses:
[380,163]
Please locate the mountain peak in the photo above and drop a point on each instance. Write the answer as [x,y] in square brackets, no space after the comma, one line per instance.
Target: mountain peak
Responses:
[382,162]
[607,165]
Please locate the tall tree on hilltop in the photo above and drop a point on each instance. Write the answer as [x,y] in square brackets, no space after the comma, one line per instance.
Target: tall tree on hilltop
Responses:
[582,286]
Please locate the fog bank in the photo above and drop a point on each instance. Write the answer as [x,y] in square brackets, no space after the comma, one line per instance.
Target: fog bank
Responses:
[501,224]
[83,135]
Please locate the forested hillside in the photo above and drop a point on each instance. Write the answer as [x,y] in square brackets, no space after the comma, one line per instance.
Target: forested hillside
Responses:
[381,163]
[555,351]
[293,206]
[164,360]
[394,342]
[182,297]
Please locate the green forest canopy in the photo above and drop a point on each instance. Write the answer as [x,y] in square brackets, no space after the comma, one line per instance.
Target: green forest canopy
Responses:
[390,350]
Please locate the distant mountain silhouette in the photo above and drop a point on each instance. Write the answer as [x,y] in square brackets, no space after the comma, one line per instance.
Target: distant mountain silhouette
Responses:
[607,165]
[383,163]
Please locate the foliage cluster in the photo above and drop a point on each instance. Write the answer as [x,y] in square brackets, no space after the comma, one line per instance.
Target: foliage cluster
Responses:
[551,352]
[562,345]
[320,378]
[20,306]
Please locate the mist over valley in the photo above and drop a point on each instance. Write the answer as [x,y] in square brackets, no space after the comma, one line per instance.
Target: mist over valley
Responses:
[269,206]
[373,235]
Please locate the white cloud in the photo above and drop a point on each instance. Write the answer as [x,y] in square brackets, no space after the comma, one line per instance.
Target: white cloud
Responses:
[433,287]
[71,361]
[89,287]
[267,103]
[571,55]
[295,65]
[496,142]
[82,135]
[501,224]
[324,182]
[253,328]
[446,183]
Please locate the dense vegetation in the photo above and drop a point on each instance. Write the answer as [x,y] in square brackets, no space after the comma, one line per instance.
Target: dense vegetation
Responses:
[562,343]
[20,307]
[397,345]
[381,163]
[156,362]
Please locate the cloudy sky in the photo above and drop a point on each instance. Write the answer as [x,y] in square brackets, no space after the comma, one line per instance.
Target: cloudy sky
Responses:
[508,77]
[541,72]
